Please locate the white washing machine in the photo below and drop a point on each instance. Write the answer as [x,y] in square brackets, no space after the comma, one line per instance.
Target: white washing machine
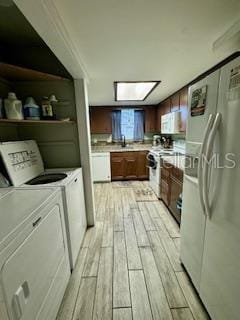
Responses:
[24,165]
[34,261]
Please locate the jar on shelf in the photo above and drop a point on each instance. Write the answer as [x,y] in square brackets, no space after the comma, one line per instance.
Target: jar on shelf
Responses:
[47,109]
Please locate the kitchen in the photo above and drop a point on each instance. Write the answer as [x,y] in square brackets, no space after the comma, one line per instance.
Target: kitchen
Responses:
[116,159]
[111,204]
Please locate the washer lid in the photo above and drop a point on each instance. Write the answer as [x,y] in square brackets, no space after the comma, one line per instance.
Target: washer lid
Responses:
[47,178]
[22,160]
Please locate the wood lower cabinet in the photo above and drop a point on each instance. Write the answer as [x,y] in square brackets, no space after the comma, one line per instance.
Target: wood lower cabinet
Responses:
[165,192]
[171,187]
[165,182]
[142,165]
[129,165]
[176,190]
[117,167]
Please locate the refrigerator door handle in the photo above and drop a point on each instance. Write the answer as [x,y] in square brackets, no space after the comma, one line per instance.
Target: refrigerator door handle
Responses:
[202,158]
[209,151]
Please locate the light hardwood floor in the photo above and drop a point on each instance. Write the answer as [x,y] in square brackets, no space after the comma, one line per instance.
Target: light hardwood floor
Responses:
[129,267]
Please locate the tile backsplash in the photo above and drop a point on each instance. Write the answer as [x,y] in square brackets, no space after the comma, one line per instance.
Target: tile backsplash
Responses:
[107,138]
[101,137]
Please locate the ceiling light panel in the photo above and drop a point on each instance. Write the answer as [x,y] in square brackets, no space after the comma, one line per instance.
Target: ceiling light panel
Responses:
[134,91]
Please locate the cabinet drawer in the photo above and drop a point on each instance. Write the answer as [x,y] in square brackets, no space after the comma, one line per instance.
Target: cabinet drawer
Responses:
[117,154]
[177,174]
[165,192]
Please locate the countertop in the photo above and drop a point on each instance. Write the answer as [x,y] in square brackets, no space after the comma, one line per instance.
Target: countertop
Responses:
[177,160]
[119,148]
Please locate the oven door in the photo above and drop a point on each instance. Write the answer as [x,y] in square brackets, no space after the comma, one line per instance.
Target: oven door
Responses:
[154,176]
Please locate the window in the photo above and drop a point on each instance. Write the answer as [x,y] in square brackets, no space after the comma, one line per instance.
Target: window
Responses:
[128,122]
[134,90]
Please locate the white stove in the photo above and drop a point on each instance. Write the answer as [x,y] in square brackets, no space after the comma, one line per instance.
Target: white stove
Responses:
[154,156]
[160,152]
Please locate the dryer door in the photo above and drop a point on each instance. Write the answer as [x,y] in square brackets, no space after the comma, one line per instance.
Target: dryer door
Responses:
[28,273]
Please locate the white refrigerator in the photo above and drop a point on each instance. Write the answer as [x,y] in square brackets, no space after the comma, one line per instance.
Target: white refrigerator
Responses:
[210,228]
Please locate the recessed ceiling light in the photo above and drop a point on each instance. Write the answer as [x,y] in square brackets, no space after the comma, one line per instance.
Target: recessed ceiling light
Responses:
[134,90]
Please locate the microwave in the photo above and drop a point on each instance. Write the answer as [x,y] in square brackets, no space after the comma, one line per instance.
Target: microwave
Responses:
[170,122]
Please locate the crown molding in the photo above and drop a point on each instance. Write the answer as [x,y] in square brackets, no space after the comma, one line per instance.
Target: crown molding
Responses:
[230,39]
[47,21]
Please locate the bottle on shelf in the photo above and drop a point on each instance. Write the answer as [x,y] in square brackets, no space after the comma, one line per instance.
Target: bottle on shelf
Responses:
[31,109]
[13,107]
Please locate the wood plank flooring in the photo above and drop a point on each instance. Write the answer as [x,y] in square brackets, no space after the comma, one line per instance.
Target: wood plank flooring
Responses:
[129,266]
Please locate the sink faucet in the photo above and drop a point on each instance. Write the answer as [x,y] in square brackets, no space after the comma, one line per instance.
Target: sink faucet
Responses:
[123,141]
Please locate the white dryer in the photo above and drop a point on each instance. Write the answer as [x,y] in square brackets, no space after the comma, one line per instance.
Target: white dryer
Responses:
[4,191]
[25,168]
[34,263]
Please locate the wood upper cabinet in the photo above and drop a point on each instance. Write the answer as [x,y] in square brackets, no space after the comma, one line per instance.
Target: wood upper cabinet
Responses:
[163,108]
[184,108]
[129,165]
[175,101]
[150,119]
[101,120]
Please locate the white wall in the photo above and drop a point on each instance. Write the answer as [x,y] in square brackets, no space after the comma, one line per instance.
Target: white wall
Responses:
[82,108]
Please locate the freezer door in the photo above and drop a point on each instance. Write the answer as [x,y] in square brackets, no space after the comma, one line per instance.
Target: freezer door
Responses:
[202,101]
[220,280]
[192,230]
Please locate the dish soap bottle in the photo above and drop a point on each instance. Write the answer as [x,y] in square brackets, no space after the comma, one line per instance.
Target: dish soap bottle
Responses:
[13,107]
[31,109]
[47,110]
